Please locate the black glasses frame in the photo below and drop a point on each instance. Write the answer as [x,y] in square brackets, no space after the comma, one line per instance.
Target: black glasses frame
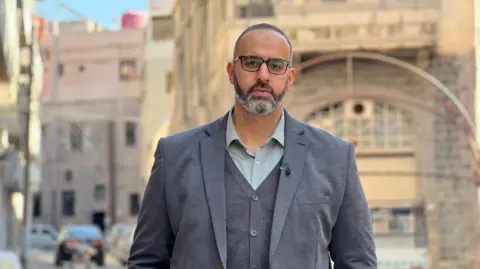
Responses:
[288,64]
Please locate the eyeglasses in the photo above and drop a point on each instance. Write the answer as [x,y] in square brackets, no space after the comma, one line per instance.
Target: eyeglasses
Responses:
[253,64]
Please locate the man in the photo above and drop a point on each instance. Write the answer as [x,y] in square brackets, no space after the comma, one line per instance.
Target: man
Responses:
[255,189]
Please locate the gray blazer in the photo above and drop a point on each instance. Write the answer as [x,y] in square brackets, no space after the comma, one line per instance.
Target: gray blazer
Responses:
[320,211]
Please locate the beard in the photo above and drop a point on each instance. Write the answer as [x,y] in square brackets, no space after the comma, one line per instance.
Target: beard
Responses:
[258,105]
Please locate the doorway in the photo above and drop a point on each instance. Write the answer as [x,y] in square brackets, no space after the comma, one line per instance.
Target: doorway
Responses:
[98,218]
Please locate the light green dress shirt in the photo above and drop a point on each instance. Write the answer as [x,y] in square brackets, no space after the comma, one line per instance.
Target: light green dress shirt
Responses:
[256,167]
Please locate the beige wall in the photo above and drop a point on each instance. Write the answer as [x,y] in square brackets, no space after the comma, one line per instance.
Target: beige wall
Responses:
[392,184]
[157,99]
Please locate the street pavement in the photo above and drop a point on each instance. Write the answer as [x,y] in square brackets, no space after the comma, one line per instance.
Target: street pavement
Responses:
[41,259]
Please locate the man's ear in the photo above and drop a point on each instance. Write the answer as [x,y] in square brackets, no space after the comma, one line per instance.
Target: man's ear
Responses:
[231,71]
[291,77]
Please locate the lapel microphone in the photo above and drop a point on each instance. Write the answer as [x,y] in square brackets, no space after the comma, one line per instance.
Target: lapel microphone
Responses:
[286,168]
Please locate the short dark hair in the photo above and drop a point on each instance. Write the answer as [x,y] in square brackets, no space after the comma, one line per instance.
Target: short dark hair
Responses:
[265,26]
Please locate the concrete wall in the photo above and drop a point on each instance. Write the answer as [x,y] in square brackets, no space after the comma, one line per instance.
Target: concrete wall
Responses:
[92,92]
[157,99]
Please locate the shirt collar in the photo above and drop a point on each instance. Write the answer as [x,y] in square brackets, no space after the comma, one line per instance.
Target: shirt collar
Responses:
[278,134]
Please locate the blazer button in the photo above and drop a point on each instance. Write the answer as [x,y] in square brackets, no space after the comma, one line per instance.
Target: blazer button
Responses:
[253,232]
[255,197]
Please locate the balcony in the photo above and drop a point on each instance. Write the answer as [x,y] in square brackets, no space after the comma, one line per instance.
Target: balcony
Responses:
[358,24]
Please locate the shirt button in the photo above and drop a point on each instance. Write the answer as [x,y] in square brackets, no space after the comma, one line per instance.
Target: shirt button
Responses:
[255,197]
[257,162]
[253,232]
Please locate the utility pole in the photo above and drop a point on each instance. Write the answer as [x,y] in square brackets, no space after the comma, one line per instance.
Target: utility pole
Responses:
[112,172]
[55,184]
[26,90]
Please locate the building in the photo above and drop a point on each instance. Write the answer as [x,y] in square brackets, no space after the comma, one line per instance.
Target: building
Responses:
[477,88]
[90,125]
[20,84]
[157,102]
[389,76]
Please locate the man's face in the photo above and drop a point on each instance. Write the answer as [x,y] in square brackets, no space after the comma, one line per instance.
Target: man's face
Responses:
[261,86]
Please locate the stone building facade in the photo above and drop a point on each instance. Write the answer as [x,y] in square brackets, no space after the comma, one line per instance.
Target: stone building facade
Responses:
[20,64]
[396,78]
[90,127]
[156,101]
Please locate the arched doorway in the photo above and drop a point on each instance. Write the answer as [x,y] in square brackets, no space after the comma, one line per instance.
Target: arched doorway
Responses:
[414,139]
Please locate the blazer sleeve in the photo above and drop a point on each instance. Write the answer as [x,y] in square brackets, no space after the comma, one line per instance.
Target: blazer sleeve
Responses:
[153,238]
[352,245]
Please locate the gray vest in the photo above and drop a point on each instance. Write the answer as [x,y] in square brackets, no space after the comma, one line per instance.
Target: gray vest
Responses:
[249,217]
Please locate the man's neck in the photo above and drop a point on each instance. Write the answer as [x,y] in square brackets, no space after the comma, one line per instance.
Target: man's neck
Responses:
[255,130]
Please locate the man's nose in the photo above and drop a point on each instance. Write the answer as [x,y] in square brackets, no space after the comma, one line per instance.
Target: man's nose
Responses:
[263,74]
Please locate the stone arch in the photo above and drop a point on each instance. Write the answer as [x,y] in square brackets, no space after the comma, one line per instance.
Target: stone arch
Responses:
[448,169]
[427,99]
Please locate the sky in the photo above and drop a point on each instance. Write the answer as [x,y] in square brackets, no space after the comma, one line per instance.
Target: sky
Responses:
[104,12]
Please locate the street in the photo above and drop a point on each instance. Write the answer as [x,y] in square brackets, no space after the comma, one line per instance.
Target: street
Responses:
[40,259]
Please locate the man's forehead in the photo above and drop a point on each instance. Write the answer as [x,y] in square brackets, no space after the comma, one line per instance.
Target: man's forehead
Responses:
[267,39]
[264,35]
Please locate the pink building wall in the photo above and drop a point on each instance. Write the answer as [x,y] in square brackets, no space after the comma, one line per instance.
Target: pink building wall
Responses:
[91,65]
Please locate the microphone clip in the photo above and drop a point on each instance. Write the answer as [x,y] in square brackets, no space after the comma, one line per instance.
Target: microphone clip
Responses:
[286,168]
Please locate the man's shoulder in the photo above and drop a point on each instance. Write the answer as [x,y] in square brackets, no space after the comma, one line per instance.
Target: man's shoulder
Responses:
[187,135]
[187,140]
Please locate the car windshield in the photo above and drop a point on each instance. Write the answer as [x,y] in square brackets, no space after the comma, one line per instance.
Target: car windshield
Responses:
[84,232]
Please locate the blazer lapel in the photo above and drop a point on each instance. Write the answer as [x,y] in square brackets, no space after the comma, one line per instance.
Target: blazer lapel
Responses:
[294,156]
[212,150]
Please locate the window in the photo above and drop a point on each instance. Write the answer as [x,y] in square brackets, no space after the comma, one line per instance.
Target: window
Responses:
[130,133]
[162,28]
[68,203]
[255,9]
[134,204]
[37,205]
[400,221]
[43,130]
[128,70]
[46,54]
[60,69]
[68,175]
[169,82]
[43,135]
[367,124]
[76,137]
[99,192]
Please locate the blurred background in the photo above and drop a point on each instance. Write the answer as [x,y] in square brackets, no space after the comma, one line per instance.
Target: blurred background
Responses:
[88,87]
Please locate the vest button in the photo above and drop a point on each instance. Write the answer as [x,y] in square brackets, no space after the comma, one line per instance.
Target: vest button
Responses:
[254,267]
[253,232]
[255,197]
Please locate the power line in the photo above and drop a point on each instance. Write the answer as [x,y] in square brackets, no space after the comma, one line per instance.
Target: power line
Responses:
[69,9]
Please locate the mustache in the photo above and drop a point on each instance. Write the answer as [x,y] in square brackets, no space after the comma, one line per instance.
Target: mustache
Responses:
[261,85]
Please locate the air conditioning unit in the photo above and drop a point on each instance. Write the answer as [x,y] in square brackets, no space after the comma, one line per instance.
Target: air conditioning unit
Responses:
[358,109]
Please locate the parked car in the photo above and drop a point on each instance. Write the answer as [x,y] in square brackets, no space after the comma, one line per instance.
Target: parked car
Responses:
[71,237]
[121,249]
[42,236]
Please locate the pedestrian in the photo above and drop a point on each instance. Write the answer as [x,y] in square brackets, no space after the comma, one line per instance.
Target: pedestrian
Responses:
[256,188]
